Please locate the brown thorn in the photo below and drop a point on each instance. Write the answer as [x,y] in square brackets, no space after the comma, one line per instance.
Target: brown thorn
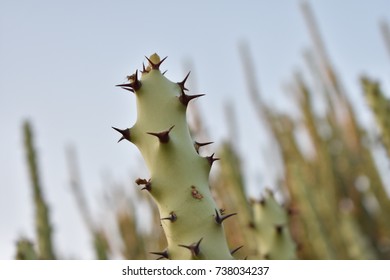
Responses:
[220,218]
[135,83]
[172,217]
[262,201]
[147,183]
[211,159]
[163,254]
[124,85]
[162,136]
[129,89]
[235,250]
[125,133]
[279,229]
[155,65]
[185,98]
[251,225]
[144,69]
[181,84]
[194,247]
[197,145]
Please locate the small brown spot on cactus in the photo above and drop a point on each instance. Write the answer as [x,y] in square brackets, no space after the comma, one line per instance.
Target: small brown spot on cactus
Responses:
[172,217]
[162,136]
[125,133]
[147,183]
[262,201]
[194,247]
[211,159]
[222,211]
[195,193]
[279,229]
[181,84]
[155,66]
[163,254]
[185,98]
[197,145]
[251,225]
[236,249]
[220,218]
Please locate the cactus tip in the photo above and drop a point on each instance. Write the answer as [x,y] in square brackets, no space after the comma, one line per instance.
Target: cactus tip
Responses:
[157,62]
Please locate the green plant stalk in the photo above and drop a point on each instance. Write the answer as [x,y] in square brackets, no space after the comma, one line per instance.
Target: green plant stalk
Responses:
[179,185]
[42,221]
[25,250]
[271,226]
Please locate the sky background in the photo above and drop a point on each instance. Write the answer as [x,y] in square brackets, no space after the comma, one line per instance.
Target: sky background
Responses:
[60,60]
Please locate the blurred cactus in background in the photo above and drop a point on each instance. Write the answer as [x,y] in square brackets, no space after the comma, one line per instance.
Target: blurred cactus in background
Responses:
[331,202]
[43,227]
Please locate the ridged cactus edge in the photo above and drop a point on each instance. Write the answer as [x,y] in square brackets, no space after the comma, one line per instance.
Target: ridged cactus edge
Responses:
[179,175]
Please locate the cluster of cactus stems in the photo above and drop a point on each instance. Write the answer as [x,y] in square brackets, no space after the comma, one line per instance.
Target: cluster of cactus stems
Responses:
[179,175]
[335,204]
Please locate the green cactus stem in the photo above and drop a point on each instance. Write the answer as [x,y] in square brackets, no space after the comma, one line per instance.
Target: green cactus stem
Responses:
[272,232]
[25,250]
[42,221]
[179,176]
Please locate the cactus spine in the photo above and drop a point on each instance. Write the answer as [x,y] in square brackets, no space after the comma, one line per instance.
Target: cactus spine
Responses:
[179,175]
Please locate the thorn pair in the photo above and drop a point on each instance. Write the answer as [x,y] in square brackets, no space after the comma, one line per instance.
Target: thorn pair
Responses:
[211,159]
[194,247]
[163,254]
[133,85]
[163,136]
[125,133]
[155,66]
[197,145]
[220,218]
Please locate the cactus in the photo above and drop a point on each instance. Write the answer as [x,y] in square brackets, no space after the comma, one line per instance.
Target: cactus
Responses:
[191,220]
[25,250]
[380,106]
[42,221]
[270,222]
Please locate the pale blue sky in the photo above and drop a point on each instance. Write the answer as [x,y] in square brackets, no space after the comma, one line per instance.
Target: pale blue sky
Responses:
[60,60]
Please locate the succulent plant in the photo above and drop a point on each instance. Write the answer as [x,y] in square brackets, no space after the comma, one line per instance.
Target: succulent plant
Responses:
[179,175]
